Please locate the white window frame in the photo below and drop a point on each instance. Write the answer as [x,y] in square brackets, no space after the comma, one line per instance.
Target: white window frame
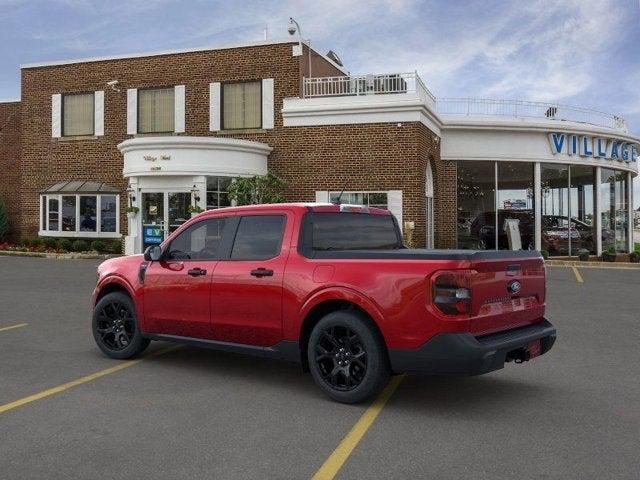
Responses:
[44,216]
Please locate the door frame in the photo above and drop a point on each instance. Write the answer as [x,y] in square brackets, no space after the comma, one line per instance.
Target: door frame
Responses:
[165,202]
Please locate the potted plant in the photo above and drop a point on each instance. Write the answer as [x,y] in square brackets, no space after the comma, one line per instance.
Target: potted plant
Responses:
[610,254]
[132,212]
[583,255]
[194,210]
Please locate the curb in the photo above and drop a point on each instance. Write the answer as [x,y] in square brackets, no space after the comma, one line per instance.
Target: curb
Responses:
[610,265]
[59,256]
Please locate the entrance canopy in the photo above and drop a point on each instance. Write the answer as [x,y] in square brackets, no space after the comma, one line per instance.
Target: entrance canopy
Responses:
[81,186]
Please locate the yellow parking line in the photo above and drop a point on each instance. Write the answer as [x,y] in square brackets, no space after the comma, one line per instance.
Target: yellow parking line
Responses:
[334,463]
[577,274]
[20,325]
[74,383]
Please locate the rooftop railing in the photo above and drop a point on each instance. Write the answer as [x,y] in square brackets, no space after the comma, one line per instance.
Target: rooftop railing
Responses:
[526,109]
[356,85]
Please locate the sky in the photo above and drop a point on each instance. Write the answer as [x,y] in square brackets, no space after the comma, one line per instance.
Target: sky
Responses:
[577,52]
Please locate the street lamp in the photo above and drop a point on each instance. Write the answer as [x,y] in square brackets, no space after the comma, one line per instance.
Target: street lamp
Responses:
[292,29]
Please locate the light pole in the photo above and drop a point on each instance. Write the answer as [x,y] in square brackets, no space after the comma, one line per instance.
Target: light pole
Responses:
[292,29]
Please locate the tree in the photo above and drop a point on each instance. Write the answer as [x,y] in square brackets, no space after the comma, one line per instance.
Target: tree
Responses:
[258,189]
[4,221]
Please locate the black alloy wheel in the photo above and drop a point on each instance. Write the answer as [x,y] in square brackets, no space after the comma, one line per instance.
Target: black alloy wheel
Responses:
[347,356]
[115,327]
[341,358]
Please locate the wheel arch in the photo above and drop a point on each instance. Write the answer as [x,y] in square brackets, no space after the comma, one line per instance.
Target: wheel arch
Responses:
[331,301]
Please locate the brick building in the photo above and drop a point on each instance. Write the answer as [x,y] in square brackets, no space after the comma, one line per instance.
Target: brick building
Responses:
[168,130]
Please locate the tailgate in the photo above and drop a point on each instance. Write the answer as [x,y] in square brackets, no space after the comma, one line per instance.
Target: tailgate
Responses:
[508,291]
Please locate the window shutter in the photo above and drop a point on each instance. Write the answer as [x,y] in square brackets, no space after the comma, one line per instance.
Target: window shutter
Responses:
[322,196]
[132,111]
[394,204]
[98,112]
[56,115]
[267,103]
[179,99]
[215,112]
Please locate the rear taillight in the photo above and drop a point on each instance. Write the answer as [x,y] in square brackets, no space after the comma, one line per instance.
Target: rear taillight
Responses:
[451,291]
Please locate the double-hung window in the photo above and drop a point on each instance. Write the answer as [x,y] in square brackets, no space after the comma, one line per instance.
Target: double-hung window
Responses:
[156,110]
[78,114]
[241,105]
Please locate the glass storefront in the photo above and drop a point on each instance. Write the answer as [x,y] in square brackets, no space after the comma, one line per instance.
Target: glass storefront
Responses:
[614,190]
[497,205]
[476,205]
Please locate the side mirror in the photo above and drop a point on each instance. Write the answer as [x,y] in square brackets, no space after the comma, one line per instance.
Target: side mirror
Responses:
[153,253]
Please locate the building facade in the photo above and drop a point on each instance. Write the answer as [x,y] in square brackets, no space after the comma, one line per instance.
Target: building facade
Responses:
[161,133]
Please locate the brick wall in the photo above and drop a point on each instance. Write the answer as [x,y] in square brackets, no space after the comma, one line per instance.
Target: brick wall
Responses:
[9,160]
[353,157]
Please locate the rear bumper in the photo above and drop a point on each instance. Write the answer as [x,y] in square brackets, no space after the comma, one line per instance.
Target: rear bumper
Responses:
[464,354]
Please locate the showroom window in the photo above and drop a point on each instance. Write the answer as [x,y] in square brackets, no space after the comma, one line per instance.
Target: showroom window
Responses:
[476,205]
[217,196]
[78,114]
[156,110]
[242,105]
[515,203]
[614,210]
[80,209]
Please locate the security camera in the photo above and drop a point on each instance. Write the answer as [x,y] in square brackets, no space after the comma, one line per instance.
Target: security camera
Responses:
[292,27]
[113,84]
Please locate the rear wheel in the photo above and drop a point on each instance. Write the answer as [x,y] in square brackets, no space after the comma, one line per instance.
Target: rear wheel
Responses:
[115,327]
[347,358]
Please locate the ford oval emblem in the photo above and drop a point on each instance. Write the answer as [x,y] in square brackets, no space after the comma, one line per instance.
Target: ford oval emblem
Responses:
[514,286]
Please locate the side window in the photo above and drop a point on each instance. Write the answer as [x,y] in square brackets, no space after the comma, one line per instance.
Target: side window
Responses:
[259,237]
[199,242]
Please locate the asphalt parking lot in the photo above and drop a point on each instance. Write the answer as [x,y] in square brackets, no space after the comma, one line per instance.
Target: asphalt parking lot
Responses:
[192,413]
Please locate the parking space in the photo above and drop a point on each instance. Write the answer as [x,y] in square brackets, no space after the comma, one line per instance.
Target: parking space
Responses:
[193,413]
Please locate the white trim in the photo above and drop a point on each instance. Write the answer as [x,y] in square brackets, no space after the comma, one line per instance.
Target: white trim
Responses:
[132,111]
[10,100]
[215,117]
[268,107]
[394,205]
[179,109]
[630,243]
[598,208]
[46,233]
[56,115]
[176,52]
[98,113]
[537,205]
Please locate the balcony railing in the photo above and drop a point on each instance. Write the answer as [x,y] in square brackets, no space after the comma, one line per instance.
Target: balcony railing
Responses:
[526,109]
[357,85]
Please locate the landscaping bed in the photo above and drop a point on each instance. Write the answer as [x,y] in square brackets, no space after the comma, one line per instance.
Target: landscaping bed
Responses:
[62,248]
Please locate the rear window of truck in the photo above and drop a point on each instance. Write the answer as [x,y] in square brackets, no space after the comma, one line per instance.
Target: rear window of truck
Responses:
[352,231]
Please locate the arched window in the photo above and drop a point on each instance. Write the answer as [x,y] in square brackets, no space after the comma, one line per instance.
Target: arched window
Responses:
[429,205]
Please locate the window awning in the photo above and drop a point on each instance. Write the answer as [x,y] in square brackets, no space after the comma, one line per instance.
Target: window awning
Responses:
[81,186]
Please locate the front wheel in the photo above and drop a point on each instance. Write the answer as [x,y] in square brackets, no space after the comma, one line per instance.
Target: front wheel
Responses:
[115,327]
[347,357]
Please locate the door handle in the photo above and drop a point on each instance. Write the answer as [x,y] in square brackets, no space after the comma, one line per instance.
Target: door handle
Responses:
[196,272]
[262,272]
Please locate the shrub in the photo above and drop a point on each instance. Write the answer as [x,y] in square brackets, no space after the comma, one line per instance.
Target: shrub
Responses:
[544,253]
[65,244]
[49,242]
[35,241]
[114,247]
[80,246]
[26,242]
[98,246]
[634,257]
[583,254]
[4,221]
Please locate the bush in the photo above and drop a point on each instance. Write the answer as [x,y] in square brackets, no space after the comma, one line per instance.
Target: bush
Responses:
[634,257]
[50,242]
[114,247]
[80,246]
[98,246]
[65,244]
[4,221]
[26,242]
[35,241]
[583,255]
[544,253]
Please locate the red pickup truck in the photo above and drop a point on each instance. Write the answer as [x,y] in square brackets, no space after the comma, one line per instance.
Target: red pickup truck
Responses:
[329,286]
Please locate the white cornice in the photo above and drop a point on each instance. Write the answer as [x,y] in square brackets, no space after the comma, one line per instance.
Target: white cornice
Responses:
[9,100]
[176,52]
[190,143]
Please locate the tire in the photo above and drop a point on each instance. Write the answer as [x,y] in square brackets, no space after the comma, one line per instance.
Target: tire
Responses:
[347,358]
[115,327]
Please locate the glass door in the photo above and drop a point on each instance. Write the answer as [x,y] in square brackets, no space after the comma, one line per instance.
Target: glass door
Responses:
[178,209]
[153,219]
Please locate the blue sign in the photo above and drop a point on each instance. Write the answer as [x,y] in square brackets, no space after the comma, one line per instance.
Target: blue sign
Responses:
[152,234]
[597,147]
